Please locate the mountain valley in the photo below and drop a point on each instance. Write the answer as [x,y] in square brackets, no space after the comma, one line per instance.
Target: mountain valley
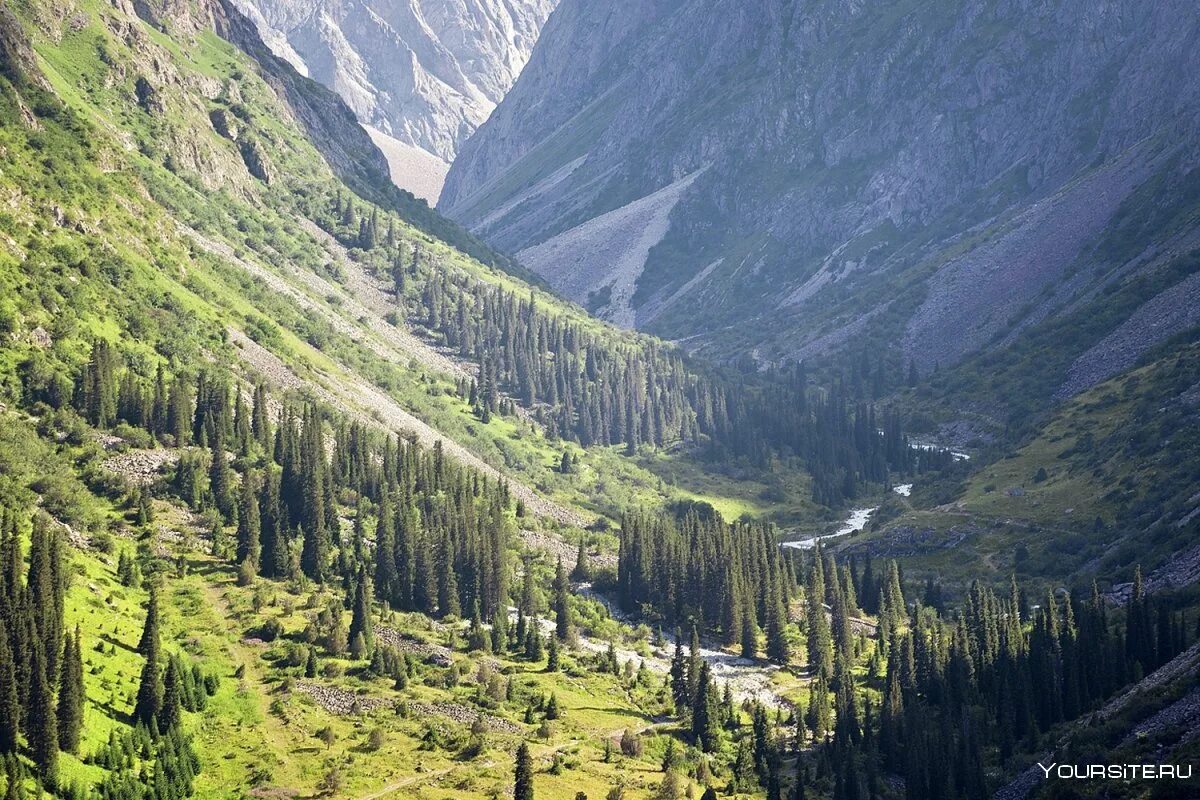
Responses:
[779,403]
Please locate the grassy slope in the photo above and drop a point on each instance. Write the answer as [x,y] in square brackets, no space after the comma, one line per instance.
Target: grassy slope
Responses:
[258,727]
[1122,470]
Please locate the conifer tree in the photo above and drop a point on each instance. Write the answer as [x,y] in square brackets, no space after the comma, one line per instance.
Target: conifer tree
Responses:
[678,676]
[693,666]
[583,569]
[149,638]
[820,638]
[523,774]
[704,712]
[219,482]
[744,778]
[562,611]
[149,695]
[314,556]
[273,527]
[10,709]
[386,578]
[70,694]
[41,727]
[819,713]
[749,628]
[499,633]
[777,644]
[171,712]
[360,620]
[249,525]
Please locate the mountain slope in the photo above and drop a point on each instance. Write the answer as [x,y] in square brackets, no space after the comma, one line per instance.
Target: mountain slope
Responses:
[931,176]
[422,73]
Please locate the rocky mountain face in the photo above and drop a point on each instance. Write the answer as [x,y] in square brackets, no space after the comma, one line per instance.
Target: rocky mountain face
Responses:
[421,74]
[788,180]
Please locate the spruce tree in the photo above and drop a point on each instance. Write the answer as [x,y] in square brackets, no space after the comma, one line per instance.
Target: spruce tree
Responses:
[386,581]
[171,711]
[314,556]
[704,712]
[499,633]
[693,666]
[70,694]
[10,709]
[777,643]
[523,774]
[41,728]
[360,620]
[149,695]
[249,525]
[678,677]
[149,639]
[583,568]
[820,638]
[273,529]
[219,481]
[562,611]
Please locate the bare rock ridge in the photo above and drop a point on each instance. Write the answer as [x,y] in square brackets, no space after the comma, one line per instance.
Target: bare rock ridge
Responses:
[335,131]
[421,73]
[940,176]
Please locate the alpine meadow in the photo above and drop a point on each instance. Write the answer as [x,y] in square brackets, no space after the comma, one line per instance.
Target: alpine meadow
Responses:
[609,399]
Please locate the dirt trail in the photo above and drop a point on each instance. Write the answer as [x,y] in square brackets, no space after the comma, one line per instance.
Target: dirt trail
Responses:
[403,782]
[361,399]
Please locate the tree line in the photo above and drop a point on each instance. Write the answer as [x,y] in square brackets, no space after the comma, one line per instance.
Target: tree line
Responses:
[940,698]
[597,389]
[41,669]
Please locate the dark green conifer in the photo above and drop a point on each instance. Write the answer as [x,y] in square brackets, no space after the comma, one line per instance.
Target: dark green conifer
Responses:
[10,710]
[70,693]
[41,725]
[523,774]
[360,620]
[249,526]
[562,610]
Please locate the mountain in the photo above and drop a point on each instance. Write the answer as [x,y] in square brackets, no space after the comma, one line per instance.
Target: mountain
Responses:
[929,179]
[421,75]
[305,492]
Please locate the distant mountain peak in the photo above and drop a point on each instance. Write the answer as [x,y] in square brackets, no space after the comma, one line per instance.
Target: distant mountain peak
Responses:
[422,73]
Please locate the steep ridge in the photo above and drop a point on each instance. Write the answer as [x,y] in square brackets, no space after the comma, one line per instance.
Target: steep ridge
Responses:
[934,176]
[332,128]
[422,73]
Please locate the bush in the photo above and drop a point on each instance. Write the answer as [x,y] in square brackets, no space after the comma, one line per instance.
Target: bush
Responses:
[269,631]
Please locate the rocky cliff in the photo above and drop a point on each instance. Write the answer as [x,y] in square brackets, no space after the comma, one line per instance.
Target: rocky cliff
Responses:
[421,73]
[937,177]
